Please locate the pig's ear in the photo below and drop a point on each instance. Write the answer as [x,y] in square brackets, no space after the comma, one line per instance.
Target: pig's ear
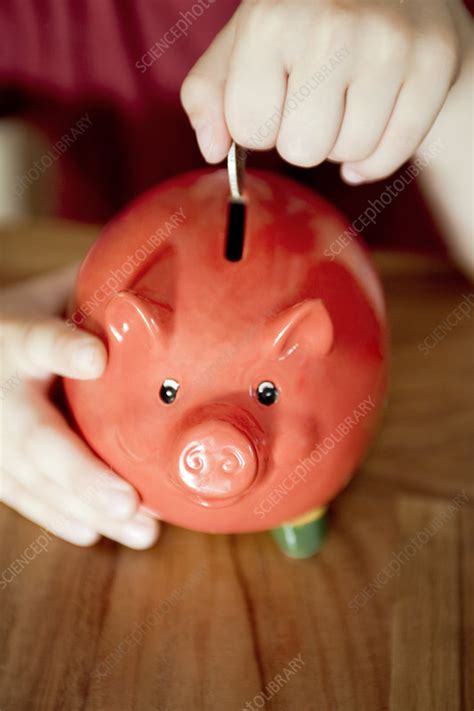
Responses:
[129,315]
[306,326]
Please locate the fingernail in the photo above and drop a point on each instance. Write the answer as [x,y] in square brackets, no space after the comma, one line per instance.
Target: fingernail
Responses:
[118,501]
[351,176]
[87,359]
[205,138]
[142,533]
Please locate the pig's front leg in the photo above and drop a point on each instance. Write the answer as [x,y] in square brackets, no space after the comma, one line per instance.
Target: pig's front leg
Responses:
[303,536]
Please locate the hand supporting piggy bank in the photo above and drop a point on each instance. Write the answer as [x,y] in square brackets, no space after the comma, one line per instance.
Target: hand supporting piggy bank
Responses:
[247,355]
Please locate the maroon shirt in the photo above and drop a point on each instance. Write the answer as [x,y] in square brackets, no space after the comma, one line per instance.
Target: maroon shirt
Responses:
[102,78]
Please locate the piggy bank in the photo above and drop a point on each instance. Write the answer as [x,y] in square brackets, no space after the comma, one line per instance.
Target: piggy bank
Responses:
[247,352]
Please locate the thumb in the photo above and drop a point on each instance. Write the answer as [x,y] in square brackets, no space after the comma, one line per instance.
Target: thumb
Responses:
[202,96]
[46,346]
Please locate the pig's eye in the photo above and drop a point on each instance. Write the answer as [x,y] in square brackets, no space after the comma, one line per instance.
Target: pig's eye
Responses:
[267,393]
[169,390]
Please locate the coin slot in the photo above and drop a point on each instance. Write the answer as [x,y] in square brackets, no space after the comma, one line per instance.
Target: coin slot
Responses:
[235,230]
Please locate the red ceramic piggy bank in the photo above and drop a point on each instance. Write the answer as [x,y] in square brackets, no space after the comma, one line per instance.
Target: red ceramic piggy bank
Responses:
[247,354]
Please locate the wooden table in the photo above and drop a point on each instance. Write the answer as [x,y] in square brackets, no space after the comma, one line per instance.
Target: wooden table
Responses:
[226,622]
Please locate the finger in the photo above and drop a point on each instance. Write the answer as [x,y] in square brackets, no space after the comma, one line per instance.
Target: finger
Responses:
[411,120]
[256,84]
[57,452]
[369,105]
[65,516]
[18,497]
[142,531]
[138,531]
[44,346]
[202,96]
[380,55]
[311,118]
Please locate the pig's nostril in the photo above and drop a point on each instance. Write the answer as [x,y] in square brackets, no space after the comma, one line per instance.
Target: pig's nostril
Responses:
[233,460]
[194,458]
[216,460]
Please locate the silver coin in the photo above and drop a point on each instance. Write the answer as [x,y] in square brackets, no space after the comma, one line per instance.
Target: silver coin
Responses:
[236,159]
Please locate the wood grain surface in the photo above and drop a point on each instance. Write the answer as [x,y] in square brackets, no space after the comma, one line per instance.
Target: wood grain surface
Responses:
[382,619]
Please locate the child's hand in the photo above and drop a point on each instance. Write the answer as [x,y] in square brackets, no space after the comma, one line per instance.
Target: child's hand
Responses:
[48,474]
[358,82]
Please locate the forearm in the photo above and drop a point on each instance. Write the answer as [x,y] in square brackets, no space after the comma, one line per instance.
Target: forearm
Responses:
[448,181]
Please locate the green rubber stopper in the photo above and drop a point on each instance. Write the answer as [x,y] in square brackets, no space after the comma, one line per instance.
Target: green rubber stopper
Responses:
[301,541]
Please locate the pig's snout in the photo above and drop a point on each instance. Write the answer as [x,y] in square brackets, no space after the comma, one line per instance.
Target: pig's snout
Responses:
[216,460]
